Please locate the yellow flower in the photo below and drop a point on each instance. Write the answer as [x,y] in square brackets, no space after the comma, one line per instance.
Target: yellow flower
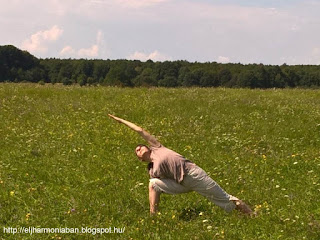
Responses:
[28,216]
[31,189]
[12,193]
[257,207]
[173,216]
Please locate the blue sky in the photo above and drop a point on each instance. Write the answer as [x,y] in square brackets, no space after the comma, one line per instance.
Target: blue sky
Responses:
[268,32]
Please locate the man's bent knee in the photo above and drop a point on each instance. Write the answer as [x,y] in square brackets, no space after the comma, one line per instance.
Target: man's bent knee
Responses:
[153,185]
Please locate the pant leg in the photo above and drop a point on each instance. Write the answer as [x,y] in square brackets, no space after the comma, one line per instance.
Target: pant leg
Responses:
[168,186]
[198,180]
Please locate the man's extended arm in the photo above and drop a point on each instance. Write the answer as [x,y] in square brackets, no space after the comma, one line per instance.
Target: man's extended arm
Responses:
[143,133]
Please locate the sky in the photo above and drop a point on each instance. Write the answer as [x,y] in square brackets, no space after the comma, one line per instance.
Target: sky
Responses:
[225,31]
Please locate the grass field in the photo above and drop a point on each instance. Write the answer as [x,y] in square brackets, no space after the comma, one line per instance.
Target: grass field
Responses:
[64,163]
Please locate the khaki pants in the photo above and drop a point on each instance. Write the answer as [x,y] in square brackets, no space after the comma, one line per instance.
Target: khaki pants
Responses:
[196,180]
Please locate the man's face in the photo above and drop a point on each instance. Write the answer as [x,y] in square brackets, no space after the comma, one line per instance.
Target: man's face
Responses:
[142,152]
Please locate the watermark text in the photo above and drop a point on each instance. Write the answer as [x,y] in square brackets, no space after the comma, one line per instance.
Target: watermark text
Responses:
[63,230]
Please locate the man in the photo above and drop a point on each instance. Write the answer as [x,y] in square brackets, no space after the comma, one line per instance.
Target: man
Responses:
[171,173]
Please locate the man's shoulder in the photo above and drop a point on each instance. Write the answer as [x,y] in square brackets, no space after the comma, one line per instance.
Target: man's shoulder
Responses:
[160,146]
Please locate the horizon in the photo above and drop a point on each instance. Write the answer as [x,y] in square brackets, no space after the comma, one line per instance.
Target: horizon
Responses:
[143,61]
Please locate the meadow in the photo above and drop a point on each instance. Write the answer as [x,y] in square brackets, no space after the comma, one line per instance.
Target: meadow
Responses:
[64,163]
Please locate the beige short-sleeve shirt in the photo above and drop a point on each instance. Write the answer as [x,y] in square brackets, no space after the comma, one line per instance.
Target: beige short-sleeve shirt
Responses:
[168,164]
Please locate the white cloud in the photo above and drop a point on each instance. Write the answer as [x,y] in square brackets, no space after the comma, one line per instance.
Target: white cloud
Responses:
[154,56]
[99,37]
[67,51]
[38,42]
[222,59]
[315,56]
[129,3]
[91,52]
[193,30]
[316,51]
[138,3]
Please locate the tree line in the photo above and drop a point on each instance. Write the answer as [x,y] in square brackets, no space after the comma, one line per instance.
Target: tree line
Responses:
[21,66]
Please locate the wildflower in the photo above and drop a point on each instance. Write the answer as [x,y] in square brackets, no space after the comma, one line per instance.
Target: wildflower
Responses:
[31,189]
[173,216]
[71,211]
[257,207]
[12,193]
[28,216]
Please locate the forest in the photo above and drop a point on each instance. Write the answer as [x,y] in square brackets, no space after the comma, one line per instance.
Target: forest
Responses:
[20,66]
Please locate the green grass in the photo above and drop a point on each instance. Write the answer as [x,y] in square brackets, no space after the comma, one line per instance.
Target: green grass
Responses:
[64,163]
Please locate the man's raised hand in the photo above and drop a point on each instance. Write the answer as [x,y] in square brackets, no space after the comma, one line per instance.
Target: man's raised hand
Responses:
[115,118]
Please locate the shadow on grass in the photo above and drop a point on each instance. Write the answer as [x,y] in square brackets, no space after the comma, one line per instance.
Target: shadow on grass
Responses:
[191,213]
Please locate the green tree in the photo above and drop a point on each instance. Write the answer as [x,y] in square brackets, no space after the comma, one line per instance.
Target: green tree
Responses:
[224,76]
[100,70]
[262,78]
[145,78]
[209,79]
[247,79]
[12,59]
[116,75]
[82,79]
[168,81]
[66,81]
